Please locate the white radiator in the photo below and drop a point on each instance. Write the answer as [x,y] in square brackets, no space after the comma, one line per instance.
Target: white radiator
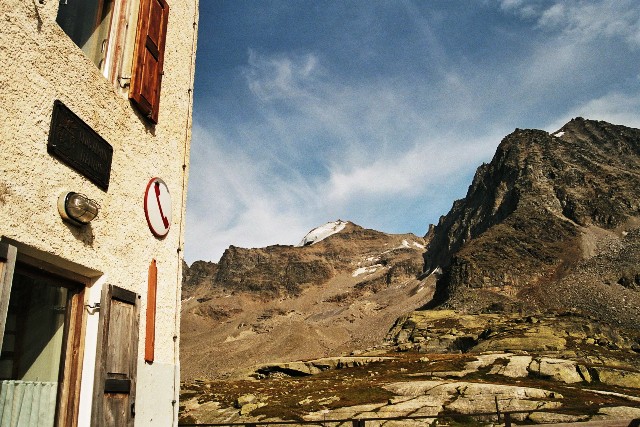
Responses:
[27,403]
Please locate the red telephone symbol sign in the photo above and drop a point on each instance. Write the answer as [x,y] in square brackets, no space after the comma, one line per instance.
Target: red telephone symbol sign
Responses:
[157,207]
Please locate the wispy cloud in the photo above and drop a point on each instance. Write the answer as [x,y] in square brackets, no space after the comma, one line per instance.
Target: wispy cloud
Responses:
[523,8]
[409,173]
[582,20]
[375,143]
[614,107]
[586,21]
[280,77]
[234,199]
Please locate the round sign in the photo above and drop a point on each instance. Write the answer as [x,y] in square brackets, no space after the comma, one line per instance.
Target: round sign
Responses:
[157,207]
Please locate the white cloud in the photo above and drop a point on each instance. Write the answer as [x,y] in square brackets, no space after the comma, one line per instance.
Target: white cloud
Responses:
[424,166]
[280,77]
[582,21]
[232,201]
[586,21]
[237,198]
[523,8]
[574,57]
[615,107]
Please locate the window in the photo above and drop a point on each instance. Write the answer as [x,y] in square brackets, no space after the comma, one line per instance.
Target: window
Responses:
[87,22]
[39,361]
[130,56]
[42,319]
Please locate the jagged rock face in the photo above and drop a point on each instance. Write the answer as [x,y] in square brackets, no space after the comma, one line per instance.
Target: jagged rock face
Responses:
[271,271]
[546,207]
[198,274]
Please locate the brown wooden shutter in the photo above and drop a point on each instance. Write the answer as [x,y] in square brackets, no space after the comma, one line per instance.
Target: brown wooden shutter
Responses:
[116,360]
[7,264]
[146,75]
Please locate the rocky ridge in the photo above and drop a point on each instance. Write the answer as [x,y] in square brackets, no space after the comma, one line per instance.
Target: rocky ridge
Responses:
[265,305]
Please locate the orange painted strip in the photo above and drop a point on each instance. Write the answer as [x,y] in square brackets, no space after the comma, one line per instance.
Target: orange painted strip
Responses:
[150,339]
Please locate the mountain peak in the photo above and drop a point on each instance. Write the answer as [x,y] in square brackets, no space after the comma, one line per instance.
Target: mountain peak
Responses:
[544,208]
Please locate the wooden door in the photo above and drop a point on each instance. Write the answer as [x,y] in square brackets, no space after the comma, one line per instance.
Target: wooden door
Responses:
[116,359]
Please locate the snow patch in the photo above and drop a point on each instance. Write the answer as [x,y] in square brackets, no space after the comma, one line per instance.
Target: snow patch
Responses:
[405,244]
[436,271]
[322,232]
[558,134]
[366,270]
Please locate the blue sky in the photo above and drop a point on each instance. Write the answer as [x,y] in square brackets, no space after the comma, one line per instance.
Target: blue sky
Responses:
[379,112]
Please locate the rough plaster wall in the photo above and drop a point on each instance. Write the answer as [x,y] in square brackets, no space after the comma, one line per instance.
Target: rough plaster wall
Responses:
[38,64]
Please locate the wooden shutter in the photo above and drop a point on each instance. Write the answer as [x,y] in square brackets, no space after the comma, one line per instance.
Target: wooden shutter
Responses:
[146,75]
[7,265]
[116,360]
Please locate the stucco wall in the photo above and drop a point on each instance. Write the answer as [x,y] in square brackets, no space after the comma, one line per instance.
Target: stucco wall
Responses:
[39,64]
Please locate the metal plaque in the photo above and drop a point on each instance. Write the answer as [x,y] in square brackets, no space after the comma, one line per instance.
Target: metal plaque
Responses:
[76,144]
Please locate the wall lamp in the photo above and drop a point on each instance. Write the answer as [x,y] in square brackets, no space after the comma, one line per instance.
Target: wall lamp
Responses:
[77,208]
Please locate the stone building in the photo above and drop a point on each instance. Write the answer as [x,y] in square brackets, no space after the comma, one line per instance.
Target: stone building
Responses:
[95,127]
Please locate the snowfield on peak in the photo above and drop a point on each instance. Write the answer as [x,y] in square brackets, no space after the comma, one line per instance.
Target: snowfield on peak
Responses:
[322,232]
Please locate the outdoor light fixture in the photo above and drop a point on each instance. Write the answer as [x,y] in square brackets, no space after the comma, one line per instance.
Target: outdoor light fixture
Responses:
[77,208]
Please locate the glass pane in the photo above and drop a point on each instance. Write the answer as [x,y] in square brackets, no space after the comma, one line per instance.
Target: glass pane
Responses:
[35,345]
[87,23]
[32,350]
[6,368]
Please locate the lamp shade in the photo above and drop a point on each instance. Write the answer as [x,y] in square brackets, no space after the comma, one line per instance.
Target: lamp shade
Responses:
[77,208]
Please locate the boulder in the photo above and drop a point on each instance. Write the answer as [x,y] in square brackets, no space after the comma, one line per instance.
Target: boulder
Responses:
[617,412]
[517,367]
[358,411]
[557,369]
[476,397]
[617,377]
[418,406]
[312,367]
[246,409]
[245,399]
